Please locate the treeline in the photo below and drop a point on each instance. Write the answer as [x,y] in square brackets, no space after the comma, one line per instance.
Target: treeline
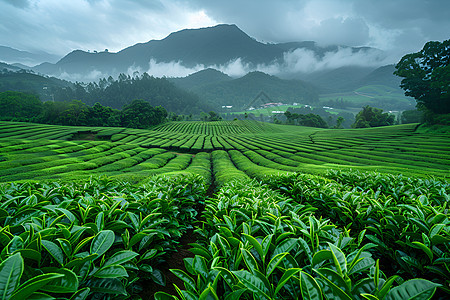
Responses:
[29,82]
[23,107]
[118,93]
[115,93]
[346,119]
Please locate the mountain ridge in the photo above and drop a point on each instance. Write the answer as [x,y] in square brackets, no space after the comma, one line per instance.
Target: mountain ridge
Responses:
[204,47]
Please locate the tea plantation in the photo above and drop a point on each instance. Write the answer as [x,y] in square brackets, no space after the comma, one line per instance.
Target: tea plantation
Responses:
[267,212]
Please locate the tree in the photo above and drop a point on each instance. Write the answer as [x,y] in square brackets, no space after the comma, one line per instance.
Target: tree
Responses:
[213,116]
[411,116]
[19,106]
[75,114]
[140,114]
[372,117]
[339,122]
[426,76]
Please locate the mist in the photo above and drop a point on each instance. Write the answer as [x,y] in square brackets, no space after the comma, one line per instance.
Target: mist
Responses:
[298,61]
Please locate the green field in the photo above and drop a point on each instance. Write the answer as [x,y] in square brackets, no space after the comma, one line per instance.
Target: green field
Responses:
[32,151]
[224,210]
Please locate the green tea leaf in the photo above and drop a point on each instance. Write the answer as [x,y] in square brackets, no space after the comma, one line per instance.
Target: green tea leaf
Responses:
[25,290]
[68,283]
[309,287]
[417,289]
[274,262]
[102,242]
[120,257]
[255,245]
[253,283]
[81,294]
[54,251]
[111,271]
[185,277]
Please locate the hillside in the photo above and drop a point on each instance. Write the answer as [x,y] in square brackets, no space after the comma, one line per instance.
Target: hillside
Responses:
[201,78]
[241,91]
[22,81]
[11,55]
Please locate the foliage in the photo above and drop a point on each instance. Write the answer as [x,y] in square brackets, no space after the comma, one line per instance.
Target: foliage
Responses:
[210,117]
[140,114]
[412,116]
[426,76]
[310,120]
[18,106]
[241,91]
[256,243]
[27,82]
[372,117]
[97,238]
[117,93]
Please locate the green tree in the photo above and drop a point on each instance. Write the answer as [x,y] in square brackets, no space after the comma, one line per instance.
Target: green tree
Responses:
[312,120]
[339,122]
[75,114]
[411,116]
[213,116]
[426,76]
[17,106]
[140,114]
[372,117]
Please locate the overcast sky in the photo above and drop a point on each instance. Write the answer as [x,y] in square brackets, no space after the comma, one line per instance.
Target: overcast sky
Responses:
[60,26]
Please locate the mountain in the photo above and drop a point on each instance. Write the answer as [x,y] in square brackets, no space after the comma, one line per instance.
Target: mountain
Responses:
[339,79]
[240,92]
[208,47]
[381,76]
[11,55]
[8,67]
[24,81]
[201,78]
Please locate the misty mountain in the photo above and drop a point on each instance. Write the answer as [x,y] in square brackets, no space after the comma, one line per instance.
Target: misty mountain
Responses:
[241,91]
[24,81]
[201,78]
[11,56]
[340,79]
[381,76]
[351,78]
[200,48]
[7,67]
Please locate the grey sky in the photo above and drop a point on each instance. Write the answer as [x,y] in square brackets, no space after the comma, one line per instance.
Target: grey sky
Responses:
[60,26]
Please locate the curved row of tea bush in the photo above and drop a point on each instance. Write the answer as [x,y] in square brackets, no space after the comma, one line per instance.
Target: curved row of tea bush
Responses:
[97,239]
[397,149]
[219,128]
[271,241]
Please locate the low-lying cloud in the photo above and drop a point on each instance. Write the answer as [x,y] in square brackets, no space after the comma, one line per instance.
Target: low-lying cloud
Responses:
[297,61]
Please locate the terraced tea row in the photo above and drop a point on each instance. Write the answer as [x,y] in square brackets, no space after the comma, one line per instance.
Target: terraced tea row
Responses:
[135,154]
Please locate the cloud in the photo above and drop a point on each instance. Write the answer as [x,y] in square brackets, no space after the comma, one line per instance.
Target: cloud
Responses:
[17,3]
[400,26]
[60,26]
[171,69]
[305,61]
[297,61]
